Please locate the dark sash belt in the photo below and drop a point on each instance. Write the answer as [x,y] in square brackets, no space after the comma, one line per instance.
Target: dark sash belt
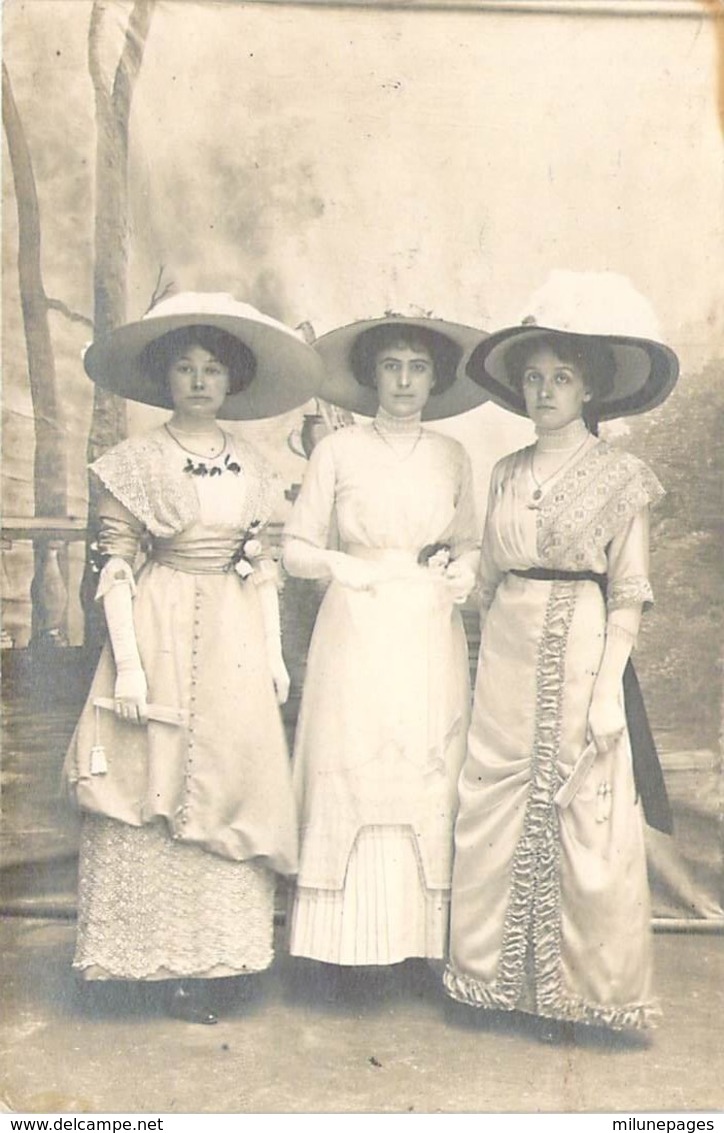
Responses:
[647,773]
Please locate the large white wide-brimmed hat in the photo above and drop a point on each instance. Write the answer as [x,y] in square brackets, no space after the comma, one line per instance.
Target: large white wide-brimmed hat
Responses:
[342,387]
[598,307]
[288,371]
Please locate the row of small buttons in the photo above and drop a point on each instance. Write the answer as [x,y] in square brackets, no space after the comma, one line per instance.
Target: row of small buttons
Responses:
[182,811]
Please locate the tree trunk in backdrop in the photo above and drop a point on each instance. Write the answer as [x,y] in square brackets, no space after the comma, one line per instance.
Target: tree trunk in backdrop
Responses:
[113,110]
[50,470]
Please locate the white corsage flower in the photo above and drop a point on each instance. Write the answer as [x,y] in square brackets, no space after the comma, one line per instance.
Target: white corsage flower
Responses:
[252,548]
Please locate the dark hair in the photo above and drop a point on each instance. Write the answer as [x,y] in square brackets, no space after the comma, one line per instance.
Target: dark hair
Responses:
[239,360]
[445,353]
[594,359]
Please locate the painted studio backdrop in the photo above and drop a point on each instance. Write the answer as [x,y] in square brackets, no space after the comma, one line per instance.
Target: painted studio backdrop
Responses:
[325,163]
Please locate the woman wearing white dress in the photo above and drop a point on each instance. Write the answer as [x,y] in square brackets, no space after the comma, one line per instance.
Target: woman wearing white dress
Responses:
[384,712]
[179,762]
[550,905]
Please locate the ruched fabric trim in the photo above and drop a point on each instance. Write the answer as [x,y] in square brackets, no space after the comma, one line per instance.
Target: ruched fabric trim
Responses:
[533,912]
[531,943]
[475,993]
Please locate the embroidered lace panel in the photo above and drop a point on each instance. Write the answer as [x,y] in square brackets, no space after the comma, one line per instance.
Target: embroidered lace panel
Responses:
[580,515]
[149,907]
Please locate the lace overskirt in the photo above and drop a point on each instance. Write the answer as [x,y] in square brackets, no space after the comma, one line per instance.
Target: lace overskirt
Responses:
[152,908]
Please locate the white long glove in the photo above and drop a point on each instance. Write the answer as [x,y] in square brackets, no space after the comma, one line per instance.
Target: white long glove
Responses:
[131,690]
[606,715]
[269,600]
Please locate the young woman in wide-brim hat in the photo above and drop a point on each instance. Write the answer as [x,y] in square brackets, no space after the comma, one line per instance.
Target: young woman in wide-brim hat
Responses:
[179,761]
[381,730]
[550,905]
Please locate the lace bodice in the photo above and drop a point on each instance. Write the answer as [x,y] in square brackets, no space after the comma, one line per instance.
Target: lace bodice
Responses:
[151,503]
[146,474]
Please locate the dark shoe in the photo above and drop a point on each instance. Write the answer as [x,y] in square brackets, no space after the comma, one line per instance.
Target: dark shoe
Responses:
[188,1004]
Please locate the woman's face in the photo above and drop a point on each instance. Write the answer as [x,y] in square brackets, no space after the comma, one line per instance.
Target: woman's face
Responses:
[198,382]
[554,391]
[404,378]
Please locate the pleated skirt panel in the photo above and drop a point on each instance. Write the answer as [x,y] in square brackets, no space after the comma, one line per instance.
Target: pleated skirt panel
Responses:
[384,913]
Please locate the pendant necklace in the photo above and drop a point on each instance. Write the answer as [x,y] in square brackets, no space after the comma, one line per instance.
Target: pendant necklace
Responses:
[540,484]
[206,456]
[199,467]
[398,454]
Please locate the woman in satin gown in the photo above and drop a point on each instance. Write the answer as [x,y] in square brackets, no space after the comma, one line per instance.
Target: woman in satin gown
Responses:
[381,731]
[179,761]
[550,903]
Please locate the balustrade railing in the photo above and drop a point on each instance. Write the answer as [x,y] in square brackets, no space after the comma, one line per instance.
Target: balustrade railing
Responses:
[48,591]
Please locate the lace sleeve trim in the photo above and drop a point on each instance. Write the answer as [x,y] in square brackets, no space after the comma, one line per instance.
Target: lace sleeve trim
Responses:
[633,591]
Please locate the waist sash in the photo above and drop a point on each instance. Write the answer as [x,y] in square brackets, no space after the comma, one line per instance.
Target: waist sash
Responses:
[211,556]
[647,773]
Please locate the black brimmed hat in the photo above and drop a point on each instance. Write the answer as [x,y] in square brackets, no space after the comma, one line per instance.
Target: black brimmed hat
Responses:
[594,307]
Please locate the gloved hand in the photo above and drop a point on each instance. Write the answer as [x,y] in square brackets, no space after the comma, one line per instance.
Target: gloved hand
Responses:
[130,695]
[606,720]
[354,573]
[460,580]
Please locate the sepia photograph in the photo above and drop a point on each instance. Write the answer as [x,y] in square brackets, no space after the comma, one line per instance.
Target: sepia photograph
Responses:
[362,558]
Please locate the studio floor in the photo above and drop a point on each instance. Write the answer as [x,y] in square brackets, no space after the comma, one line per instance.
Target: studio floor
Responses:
[296,1044]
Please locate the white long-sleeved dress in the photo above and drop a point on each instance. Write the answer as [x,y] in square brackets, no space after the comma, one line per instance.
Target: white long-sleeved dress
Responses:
[381,732]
